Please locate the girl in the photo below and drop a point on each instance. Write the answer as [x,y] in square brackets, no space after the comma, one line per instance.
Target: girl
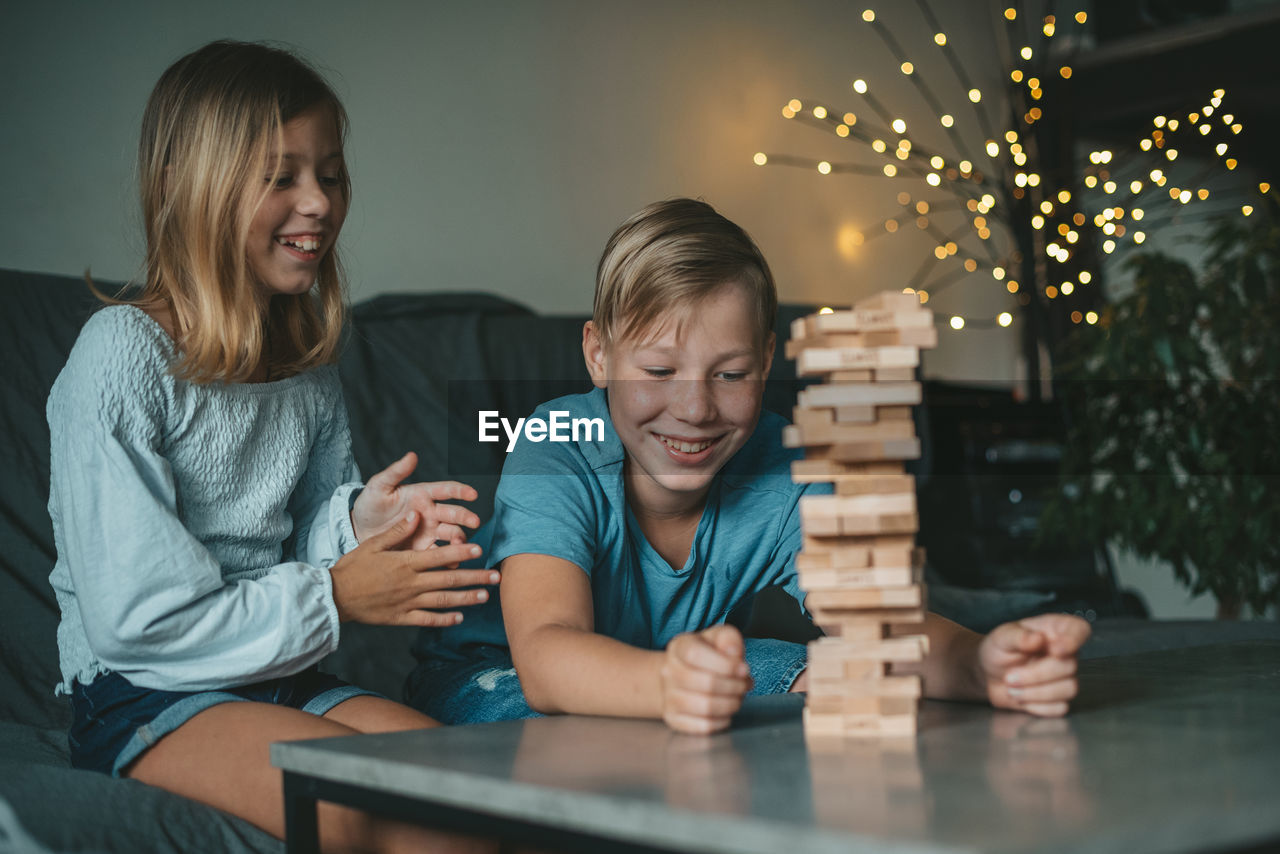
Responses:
[210,528]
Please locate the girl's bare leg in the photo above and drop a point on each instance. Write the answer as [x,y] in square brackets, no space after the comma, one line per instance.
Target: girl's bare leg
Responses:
[221,757]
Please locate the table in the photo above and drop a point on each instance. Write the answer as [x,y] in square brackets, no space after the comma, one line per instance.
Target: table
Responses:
[1164,751]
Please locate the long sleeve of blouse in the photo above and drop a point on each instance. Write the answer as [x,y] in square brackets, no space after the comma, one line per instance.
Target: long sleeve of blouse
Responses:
[195,524]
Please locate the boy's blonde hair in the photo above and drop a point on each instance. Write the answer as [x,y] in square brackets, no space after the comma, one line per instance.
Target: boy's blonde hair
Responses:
[208,134]
[672,254]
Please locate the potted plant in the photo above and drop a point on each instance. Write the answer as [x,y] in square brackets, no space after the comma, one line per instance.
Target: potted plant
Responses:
[1173,411]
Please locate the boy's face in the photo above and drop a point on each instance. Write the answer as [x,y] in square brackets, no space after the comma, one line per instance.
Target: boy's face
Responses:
[683,397]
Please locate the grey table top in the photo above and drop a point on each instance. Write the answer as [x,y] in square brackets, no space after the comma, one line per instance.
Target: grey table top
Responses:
[1176,750]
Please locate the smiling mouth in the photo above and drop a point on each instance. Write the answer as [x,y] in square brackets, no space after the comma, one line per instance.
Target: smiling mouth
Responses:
[686,447]
[308,243]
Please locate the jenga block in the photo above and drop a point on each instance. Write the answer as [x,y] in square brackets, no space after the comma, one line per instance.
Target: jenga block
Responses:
[902,648]
[856,505]
[889,301]
[815,435]
[872,597]
[894,616]
[884,484]
[920,336]
[846,549]
[853,415]
[872,705]
[812,417]
[826,471]
[858,629]
[895,375]
[860,377]
[846,670]
[880,725]
[885,413]
[860,394]
[868,451]
[868,320]
[831,620]
[812,361]
[853,579]
[898,687]
[828,724]
[818,521]
[853,560]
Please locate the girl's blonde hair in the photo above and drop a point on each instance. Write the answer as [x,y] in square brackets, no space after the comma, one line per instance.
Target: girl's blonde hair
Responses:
[208,135]
[671,255]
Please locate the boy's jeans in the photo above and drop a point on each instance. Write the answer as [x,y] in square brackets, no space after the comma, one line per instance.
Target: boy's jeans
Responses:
[484,687]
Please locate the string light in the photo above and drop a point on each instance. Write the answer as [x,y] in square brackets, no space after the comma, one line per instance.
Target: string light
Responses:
[1054,212]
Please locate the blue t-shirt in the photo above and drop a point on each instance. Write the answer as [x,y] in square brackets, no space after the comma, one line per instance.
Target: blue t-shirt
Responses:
[567,500]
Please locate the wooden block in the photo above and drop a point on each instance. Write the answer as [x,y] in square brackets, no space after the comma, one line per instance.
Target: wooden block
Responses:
[911,596]
[817,435]
[856,505]
[846,670]
[810,417]
[894,375]
[868,451]
[860,394]
[889,301]
[920,336]
[854,414]
[872,705]
[821,517]
[854,561]
[827,725]
[894,649]
[820,471]
[869,320]
[822,360]
[887,413]
[897,687]
[832,621]
[846,549]
[851,579]
[863,377]
[873,484]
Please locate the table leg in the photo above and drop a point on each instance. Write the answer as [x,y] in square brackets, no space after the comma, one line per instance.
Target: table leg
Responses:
[301,833]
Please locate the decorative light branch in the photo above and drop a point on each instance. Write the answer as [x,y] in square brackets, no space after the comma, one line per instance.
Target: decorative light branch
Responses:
[1099,203]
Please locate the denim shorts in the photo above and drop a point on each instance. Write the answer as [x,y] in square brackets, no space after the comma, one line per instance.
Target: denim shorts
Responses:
[482,685]
[114,721]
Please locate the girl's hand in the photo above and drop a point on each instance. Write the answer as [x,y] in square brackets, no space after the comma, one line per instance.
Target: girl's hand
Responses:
[1030,665]
[385,499]
[704,678]
[382,583]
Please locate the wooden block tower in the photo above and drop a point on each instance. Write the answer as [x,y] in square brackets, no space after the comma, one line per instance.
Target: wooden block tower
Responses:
[859,565]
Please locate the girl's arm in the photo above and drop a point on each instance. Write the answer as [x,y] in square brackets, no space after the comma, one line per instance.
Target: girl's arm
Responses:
[1028,665]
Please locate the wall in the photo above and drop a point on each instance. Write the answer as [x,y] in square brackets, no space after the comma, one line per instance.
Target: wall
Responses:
[495,145]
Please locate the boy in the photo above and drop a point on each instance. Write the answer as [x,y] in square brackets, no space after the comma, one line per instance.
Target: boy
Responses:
[622,558]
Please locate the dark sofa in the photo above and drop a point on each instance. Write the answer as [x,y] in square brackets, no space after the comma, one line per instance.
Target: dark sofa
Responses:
[414,370]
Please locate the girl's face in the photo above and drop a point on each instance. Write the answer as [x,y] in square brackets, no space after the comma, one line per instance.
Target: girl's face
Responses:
[683,402]
[302,213]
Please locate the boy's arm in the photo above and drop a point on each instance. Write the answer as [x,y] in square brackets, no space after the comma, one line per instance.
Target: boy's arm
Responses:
[564,666]
[696,684]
